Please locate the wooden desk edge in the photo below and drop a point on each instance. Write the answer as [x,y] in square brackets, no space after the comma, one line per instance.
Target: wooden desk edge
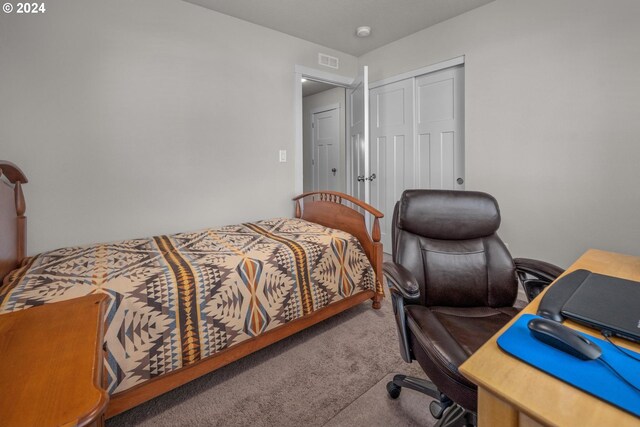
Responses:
[471,367]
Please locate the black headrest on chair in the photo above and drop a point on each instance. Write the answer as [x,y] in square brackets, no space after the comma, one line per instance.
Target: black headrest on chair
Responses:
[448,215]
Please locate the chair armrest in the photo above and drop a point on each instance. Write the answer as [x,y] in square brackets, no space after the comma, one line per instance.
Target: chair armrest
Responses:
[542,272]
[403,288]
[539,269]
[401,279]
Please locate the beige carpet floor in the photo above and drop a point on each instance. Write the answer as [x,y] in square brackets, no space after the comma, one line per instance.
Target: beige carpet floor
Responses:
[332,374]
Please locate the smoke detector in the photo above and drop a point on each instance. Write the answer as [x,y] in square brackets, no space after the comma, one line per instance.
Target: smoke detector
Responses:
[363,31]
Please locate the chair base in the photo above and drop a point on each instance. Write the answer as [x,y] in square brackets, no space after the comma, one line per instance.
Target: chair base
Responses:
[457,416]
[447,412]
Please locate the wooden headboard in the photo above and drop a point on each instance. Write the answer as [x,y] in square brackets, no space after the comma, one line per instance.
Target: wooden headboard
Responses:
[13,223]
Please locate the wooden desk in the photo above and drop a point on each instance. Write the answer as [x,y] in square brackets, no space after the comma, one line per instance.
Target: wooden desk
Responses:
[51,364]
[512,393]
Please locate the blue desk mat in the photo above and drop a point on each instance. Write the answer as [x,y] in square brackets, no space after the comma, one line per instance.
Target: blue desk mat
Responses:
[591,376]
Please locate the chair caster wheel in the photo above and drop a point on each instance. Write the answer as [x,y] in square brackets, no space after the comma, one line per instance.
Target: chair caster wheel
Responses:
[393,390]
[436,409]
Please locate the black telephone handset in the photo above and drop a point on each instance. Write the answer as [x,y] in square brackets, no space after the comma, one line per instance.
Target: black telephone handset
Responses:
[563,338]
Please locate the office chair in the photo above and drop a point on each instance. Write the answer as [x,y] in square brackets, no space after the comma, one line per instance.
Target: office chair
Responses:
[453,285]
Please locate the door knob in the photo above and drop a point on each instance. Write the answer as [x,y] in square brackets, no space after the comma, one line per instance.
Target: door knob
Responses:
[360,178]
[460,181]
[334,170]
[372,177]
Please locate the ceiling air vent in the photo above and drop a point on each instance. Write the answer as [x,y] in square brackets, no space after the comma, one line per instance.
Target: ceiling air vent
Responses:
[328,61]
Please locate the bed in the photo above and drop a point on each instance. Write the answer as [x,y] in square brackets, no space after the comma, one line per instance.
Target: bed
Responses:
[186,304]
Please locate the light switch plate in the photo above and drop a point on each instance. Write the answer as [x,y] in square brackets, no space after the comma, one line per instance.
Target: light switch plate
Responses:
[283,156]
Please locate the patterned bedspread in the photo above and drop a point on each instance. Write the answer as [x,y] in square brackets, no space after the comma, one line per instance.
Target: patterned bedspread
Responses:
[177,299]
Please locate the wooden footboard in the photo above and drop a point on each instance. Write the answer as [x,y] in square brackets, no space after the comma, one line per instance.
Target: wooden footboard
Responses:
[331,209]
[343,212]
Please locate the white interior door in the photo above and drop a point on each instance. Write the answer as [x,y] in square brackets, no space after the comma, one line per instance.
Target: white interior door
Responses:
[440,129]
[358,141]
[326,149]
[392,148]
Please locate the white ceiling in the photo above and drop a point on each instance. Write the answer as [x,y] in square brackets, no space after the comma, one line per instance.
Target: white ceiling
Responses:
[333,23]
[310,87]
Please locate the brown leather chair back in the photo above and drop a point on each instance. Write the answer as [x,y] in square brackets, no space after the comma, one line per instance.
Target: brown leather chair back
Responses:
[448,240]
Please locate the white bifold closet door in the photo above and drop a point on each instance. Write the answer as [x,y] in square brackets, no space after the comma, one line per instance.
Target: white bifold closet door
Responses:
[392,149]
[440,129]
[417,138]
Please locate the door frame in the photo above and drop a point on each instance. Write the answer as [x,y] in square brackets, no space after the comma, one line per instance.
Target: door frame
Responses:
[314,111]
[299,73]
[459,60]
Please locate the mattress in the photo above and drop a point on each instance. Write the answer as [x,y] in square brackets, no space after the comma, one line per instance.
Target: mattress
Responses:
[178,299]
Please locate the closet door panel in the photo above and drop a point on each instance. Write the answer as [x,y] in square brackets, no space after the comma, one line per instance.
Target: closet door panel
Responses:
[392,157]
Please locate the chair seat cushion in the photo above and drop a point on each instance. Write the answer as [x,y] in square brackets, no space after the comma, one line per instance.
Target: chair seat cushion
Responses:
[449,335]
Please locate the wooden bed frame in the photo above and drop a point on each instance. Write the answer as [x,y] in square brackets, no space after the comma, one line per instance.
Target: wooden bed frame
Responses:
[331,209]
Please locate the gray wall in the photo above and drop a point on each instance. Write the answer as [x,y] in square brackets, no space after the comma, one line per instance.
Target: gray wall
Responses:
[552,104]
[328,97]
[134,118]
[158,116]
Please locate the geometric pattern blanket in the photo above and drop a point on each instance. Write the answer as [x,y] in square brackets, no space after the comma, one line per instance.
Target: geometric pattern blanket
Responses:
[180,298]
